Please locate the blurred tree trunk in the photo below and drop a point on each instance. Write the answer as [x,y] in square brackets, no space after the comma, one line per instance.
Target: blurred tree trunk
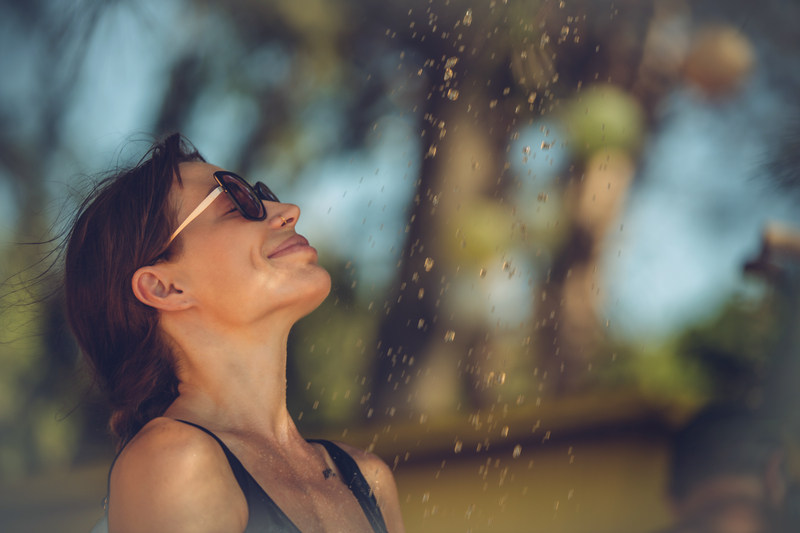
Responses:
[416,325]
[567,328]
[464,143]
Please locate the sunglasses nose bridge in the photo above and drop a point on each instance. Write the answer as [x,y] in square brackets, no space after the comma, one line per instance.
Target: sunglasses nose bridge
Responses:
[265,193]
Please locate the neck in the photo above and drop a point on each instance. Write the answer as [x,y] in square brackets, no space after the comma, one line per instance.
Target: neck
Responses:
[234,379]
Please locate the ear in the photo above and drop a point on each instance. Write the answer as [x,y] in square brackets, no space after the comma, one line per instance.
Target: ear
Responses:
[153,286]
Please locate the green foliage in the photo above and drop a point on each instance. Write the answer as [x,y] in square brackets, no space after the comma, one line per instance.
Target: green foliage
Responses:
[734,348]
[659,373]
[330,370]
[723,358]
[38,376]
[603,116]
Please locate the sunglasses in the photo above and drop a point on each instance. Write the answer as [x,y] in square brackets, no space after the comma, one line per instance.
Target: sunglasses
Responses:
[245,197]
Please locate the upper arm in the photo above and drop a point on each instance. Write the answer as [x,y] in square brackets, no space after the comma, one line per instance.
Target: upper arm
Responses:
[381,481]
[172,477]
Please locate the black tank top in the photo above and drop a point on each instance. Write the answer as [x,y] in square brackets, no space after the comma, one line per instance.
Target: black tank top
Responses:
[267,517]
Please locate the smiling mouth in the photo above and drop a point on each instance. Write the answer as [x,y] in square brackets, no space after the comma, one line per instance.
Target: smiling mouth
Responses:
[295,243]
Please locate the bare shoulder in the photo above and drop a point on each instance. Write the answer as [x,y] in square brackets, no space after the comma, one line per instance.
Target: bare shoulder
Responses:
[174,477]
[369,463]
[381,480]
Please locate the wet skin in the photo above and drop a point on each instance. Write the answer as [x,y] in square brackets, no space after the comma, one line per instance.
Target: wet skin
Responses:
[227,304]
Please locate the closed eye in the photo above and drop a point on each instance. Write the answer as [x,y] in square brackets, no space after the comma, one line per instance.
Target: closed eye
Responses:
[232,207]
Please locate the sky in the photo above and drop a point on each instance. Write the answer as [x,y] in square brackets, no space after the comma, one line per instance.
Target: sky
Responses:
[696,212]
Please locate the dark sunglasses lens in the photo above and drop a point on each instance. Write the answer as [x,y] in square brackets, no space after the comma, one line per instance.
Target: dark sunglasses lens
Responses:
[265,193]
[243,195]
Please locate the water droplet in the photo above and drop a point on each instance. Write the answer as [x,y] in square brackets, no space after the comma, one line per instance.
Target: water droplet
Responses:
[458,446]
[448,73]
[475,165]
[452,94]
[562,4]
[423,418]
[504,431]
[428,264]
[451,62]
[468,18]
[520,399]
[426,497]
[531,98]
[506,91]
[492,104]
[490,378]
[518,448]
[526,150]
[500,378]
[421,323]
[483,273]
[449,336]
[564,31]
[505,265]
[421,294]
[431,151]
[523,54]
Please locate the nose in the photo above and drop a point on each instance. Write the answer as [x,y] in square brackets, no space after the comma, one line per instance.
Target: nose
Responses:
[282,215]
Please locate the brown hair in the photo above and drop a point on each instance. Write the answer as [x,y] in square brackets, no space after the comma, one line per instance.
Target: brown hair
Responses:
[123,225]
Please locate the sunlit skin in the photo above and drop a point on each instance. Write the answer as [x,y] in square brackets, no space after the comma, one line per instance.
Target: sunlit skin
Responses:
[227,304]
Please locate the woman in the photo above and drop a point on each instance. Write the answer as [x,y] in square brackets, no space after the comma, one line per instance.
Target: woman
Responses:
[182,283]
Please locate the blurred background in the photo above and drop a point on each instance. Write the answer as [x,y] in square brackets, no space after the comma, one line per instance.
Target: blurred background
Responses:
[563,237]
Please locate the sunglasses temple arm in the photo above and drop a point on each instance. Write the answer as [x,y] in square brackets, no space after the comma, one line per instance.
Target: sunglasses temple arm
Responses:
[198,210]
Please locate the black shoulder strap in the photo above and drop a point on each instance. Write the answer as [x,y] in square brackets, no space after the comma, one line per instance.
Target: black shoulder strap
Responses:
[236,466]
[238,469]
[356,483]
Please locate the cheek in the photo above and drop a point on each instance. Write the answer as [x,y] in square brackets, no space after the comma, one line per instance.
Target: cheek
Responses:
[217,271]
[232,278]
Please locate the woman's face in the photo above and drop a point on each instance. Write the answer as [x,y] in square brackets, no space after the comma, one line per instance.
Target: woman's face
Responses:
[240,272]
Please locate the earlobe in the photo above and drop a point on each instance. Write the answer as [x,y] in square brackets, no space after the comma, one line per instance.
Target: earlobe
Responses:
[153,288]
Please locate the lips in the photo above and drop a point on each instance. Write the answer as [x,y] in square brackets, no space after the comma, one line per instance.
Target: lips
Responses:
[294,240]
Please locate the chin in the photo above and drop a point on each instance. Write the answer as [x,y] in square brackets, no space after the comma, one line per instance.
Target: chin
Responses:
[325,286]
[320,291]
